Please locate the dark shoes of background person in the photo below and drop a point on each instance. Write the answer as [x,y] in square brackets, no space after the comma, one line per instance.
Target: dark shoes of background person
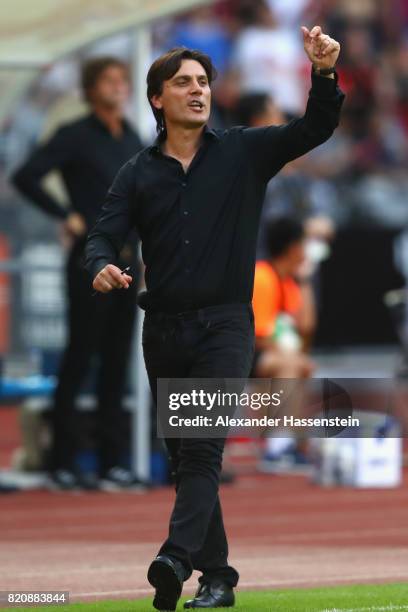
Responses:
[67,480]
[166,576]
[115,479]
[120,479]
[215,594]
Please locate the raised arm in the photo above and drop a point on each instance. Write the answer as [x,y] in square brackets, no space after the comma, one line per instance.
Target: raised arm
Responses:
[106,239]
[270,148]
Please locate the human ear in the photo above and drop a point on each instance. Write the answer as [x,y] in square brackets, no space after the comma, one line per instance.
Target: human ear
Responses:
[156,101]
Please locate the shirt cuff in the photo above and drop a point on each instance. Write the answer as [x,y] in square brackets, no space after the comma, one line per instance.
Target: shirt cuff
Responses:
[323,87]
[98,265]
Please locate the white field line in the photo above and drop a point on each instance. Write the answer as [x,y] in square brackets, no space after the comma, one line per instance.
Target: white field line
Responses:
[331,580]
[370,609]
[285,560]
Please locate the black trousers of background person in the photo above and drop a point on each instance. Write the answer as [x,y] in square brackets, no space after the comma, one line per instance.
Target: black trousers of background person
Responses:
[100,330]
[214,342]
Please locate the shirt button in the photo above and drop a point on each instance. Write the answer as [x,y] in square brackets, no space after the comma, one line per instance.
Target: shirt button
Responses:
[184,184]
[186,242]
[185,212]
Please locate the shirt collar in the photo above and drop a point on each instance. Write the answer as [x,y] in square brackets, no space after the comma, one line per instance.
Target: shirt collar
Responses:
[207,134]
[101,124]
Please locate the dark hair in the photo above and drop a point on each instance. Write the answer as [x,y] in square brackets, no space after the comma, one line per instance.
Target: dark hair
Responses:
[281,233]
[165,67]
[249,12]
[93,68]
[249,106]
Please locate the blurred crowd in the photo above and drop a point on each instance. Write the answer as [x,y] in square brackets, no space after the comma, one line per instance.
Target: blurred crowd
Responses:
[257,48]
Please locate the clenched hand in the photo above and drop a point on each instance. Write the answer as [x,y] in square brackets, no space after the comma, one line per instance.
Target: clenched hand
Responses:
[322,50]
[111,277]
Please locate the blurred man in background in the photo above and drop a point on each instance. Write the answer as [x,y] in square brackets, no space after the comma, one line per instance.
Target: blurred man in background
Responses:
[88,152]
[276,51]
[283,304]
[285,319]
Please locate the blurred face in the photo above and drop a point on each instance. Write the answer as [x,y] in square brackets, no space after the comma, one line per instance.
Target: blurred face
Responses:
[270,116]
[112,88]
[186,97]
[295,256]
[358,45]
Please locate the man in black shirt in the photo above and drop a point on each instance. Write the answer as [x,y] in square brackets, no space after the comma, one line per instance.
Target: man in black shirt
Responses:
[88,153]
[195,197]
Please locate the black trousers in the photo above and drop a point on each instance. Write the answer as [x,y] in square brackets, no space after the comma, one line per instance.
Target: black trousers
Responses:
[210,343]
[100,332]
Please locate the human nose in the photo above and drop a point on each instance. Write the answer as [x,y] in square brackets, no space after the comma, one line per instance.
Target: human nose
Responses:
[196,87]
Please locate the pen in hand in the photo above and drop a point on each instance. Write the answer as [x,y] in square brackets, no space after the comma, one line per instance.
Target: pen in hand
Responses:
[124,271]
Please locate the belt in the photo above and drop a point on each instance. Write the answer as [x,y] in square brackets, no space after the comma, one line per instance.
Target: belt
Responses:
[200,313]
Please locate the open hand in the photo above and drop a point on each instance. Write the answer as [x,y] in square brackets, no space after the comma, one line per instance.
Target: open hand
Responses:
[322,50]
[111,277]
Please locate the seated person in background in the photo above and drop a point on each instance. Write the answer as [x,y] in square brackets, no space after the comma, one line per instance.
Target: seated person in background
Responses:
[283,304]
[284,322]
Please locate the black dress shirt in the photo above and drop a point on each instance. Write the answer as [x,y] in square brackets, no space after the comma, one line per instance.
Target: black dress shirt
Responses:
[199,228]
[88,156]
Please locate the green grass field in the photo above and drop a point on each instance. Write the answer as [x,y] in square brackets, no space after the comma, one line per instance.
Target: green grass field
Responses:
[364,598]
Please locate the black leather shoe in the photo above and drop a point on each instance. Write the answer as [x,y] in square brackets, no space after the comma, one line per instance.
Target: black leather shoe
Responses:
[212,595]
[167,577]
